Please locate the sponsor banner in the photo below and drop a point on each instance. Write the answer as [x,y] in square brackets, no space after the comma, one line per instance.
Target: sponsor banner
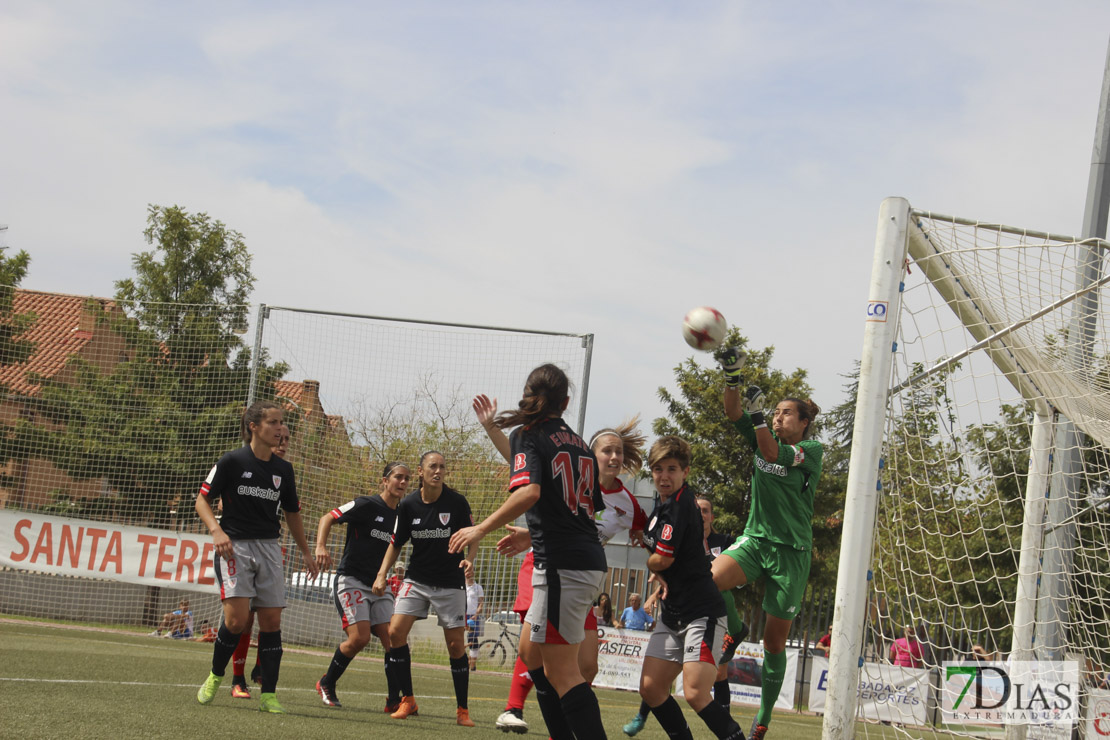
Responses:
[620,653]
[1098,715]
[77,547]
[886,692]
[745,676]
[1039,693]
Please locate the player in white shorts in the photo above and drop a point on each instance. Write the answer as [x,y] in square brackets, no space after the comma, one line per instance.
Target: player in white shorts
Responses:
[369,521]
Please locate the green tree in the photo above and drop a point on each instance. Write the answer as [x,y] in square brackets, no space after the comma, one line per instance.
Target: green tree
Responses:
[13,348]
[722,461]
[152,424]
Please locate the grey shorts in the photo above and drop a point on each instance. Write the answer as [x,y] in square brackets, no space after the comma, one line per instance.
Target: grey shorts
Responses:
[355,602]
[253,571]
[415,598]
[560,601]
[702,640]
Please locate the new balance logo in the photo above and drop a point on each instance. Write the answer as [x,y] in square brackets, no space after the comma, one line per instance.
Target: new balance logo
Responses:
[246,474]
[379,518]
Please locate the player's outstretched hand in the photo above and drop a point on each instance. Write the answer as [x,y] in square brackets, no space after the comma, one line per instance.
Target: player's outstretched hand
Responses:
[518,540]
[731,360]
[464,538]
[485,408]
[753,400]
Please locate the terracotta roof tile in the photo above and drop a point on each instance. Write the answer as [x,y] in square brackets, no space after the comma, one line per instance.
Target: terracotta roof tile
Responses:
[58,334]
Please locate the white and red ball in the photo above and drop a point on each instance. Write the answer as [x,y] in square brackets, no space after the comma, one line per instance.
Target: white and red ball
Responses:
[704,328]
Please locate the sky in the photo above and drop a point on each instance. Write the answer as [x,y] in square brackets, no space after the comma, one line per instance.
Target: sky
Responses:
[578,166]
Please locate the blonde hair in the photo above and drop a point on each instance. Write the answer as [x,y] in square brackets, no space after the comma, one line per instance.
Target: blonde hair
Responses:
[632,442]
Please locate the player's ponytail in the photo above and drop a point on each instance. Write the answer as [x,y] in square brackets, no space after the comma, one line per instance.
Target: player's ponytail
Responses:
[807,411]
[253,415]
[545,393]
[632,442]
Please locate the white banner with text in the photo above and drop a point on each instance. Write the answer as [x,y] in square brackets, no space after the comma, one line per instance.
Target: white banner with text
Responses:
[886,692]
[76,547]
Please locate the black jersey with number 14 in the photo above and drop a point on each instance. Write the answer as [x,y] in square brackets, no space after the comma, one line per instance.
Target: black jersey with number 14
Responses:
[564,534]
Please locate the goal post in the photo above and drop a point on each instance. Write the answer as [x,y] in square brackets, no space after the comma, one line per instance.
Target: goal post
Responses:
[977,506]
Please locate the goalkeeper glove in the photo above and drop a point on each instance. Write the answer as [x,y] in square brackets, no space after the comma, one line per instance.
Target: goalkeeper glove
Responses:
[752,401]
[732,361]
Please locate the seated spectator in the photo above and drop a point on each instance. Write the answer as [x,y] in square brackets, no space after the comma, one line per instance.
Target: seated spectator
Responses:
[634,616]
[906,650]
[206,633]
[825,643]
[177,624]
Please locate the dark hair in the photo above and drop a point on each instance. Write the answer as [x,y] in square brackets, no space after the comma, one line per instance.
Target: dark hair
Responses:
[704,497]
[253,415]
[431,452]
[807,411]
[607,609]
[670,446]
[393,466]
[545,392]
[632,442]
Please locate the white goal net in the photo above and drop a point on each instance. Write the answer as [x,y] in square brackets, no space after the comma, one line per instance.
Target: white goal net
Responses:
[980,483]
[114,414]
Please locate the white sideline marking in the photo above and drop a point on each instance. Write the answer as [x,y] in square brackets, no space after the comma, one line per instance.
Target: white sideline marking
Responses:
[283,689]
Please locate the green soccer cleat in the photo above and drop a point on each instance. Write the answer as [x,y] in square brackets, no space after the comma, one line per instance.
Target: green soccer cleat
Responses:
[207,691]
[635,725]
[269,703]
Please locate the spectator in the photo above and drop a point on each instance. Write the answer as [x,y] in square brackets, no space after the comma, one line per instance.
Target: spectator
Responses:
[634,616]
[475,600]
[178,624]
[206,633]
[825,643]
[906,650]
[397,579]
[603,610]
[979,653]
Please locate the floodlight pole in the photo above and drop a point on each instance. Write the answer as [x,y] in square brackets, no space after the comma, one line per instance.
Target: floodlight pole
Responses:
[1067,482]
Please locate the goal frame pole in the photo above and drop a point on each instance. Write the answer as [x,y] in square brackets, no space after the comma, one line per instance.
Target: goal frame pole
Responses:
[864,484]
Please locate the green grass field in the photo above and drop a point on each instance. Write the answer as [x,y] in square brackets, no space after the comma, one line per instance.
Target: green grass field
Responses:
[70,682]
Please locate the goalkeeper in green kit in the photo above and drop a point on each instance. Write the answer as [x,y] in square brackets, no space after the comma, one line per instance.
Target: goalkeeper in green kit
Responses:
[778,538]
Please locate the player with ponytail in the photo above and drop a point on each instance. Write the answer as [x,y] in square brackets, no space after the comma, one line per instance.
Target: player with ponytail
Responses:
[618,450]
[777,542]
[553,481]
[254,485]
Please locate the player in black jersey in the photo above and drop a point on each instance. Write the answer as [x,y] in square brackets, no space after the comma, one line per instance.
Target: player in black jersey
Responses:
[553,481]
[254,485]
[435,578]
[689,638]
[369,521]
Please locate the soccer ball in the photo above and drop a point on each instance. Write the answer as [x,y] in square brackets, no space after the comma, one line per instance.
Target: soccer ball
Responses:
[704,328]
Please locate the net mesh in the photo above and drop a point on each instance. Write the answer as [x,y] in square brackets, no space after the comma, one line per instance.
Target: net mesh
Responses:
[113,420]
[987,336]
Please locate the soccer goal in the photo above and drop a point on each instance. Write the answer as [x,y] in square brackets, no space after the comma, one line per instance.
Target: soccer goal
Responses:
[978,504]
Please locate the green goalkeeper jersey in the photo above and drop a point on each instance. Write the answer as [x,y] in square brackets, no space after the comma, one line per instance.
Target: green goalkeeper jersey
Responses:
[782,491]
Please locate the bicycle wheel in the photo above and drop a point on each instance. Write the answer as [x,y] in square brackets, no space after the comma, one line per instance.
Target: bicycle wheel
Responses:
[492,652]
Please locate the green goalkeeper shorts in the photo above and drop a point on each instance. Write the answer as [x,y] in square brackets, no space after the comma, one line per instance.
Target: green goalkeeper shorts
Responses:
[784,570]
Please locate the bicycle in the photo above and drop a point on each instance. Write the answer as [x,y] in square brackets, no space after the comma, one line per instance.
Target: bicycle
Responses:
[496,650]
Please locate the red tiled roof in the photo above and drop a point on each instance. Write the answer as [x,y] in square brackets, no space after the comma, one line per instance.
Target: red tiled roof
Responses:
[57,334]
[289,390]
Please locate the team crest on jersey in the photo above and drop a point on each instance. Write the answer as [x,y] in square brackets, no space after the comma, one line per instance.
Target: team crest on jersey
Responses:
[519,462]
[668,530]
[277,481]
[799,456]
[444,518]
